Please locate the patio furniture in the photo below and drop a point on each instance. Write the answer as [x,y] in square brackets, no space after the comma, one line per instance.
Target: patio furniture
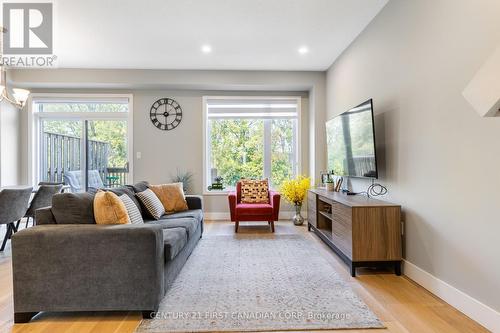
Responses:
[42,198]
[267,212]
[13,206]
[75,181]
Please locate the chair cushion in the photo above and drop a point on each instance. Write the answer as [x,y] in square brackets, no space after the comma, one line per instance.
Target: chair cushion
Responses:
[174,239]
[109,209]
[254,209]
[254,191]
[73,208]
[171,196]
[151,203]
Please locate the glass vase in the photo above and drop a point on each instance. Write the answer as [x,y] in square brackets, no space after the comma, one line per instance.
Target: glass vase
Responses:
[297,218]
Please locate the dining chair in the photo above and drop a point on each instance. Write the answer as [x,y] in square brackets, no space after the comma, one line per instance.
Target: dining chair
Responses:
[13,206]
[42,198]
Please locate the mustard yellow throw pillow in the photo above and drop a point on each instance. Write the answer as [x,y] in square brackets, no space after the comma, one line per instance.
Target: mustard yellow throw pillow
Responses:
[254,191]
[171,196]
[109,209]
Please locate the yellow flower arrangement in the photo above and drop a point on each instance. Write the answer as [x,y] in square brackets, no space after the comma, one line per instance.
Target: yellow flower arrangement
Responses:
[294,190]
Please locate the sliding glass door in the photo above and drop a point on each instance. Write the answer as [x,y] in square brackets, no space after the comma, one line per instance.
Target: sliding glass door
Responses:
[107,160]
[61,152]
[83,143]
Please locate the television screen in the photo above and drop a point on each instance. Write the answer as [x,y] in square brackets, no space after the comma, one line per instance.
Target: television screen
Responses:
[351,143]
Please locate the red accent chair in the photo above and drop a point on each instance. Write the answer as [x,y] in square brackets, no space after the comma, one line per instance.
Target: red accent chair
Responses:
[267,212]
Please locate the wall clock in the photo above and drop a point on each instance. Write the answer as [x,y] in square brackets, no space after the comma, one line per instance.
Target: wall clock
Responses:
[166,114]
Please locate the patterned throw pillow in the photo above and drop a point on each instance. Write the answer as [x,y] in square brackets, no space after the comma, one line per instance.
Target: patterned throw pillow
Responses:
[254,191]
[152,204]
[171,196]
[109,209]
[133,212]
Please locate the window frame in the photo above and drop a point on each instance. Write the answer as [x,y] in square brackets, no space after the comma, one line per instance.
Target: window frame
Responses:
[206,133]
[35,118]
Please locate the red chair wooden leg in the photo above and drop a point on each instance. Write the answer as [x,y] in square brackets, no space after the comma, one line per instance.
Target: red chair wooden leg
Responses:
[236,225]
[272,226]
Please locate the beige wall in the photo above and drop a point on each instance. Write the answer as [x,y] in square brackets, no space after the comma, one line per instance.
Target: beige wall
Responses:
[10,156]
[439,159]
[163,152]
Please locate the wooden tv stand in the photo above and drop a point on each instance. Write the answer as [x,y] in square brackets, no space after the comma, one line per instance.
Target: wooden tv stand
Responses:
[364,232]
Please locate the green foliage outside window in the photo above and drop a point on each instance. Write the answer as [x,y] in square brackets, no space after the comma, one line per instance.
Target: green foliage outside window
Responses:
[237,149]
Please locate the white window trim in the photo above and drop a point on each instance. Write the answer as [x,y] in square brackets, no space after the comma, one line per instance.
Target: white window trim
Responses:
[34,124]
[206,134]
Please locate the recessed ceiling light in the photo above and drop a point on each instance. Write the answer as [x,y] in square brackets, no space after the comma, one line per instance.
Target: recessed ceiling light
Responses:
[303,50]
[206,49]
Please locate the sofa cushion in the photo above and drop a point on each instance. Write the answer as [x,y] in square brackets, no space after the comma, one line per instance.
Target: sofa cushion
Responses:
[253,209]
[109,209]
[139,187]
[73,208]
[171,196]
[188,223]
[129,192]
[174,239]
[193,213]
[152,204]
[133,212]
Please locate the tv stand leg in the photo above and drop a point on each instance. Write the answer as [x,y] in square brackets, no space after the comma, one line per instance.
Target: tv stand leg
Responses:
[397,268]
[353,270]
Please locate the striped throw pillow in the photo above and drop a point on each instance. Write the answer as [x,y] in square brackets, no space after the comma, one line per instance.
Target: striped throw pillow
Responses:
[133,212]
[152,204]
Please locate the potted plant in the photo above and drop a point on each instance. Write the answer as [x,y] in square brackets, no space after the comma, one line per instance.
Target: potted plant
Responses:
[294,191]
[330,184]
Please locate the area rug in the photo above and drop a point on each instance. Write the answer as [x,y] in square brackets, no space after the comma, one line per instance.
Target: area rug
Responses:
[258,283]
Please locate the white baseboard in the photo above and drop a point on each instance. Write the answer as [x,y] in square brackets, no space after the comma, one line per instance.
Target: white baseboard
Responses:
[471,307]
[219,216]
[216,216]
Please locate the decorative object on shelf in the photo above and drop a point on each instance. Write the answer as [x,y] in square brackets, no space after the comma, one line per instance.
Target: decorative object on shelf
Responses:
[294,191]
[20,95]
[330,184]
[186,178]
[217,184]
[166,114]
[339,184]
[325,175]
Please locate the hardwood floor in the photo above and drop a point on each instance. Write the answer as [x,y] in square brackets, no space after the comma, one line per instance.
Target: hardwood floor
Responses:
[402,305]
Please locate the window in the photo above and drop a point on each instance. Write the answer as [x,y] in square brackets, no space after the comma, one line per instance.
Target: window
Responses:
[83,141]
[251,138]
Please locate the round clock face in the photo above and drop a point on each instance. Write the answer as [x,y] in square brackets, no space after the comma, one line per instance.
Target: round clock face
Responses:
[166,114]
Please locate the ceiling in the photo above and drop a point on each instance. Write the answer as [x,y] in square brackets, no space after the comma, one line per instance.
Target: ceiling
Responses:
[242,34]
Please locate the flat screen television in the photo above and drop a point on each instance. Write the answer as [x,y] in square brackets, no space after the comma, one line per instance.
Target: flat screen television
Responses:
[351,143]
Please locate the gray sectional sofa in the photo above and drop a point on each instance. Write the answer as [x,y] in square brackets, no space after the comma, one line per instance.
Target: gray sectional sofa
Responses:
[68,263]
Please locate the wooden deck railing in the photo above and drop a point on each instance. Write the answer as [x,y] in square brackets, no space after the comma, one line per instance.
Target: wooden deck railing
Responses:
[62,153]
